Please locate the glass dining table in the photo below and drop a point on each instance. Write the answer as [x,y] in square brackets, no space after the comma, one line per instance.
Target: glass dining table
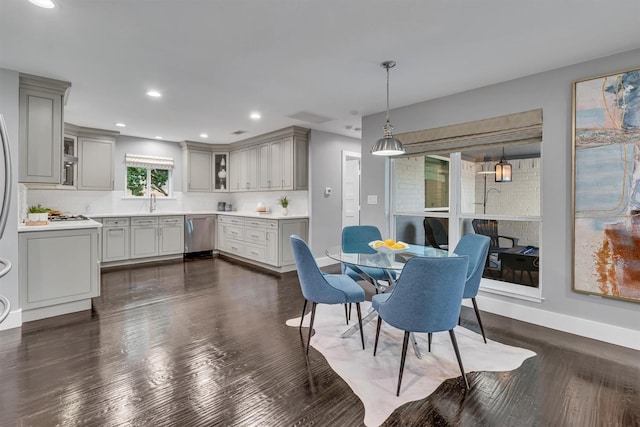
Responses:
[388,262]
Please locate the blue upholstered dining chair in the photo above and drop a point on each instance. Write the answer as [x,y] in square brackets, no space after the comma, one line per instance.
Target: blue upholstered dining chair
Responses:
[476,247]
[355,239]
[426,298]
[320,288]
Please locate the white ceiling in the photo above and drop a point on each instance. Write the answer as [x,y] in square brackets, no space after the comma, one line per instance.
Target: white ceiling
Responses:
[215,61]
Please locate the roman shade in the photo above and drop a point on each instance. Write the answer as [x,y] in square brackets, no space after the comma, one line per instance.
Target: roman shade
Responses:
[151,162]
[519,128]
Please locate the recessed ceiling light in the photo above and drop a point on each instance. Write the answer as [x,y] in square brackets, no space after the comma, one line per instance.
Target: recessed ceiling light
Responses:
[204,135]
[255,115]
[154,94]
[120,125]
[47,4]
[157,137]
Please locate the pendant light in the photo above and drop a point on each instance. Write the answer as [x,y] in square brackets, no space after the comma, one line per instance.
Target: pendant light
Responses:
[503,170]
[387,145]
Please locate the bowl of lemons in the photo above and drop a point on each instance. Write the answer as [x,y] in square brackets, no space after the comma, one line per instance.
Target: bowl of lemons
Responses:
[388,246]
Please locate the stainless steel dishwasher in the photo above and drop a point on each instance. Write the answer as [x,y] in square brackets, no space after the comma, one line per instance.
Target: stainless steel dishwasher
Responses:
[199,234]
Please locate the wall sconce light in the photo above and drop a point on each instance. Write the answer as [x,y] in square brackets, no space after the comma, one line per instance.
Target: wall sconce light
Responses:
[503,170]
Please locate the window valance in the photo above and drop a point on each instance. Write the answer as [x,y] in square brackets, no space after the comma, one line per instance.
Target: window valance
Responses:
[519,128]
[151,162]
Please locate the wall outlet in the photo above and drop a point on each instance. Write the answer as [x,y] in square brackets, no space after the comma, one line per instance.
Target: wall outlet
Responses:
[372,200]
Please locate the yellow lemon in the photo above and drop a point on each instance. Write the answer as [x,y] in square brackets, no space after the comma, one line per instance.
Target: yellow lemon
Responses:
[389,242]
[398,246]
[378,244]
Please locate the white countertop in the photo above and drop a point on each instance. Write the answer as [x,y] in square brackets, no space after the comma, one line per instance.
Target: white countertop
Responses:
[60,225]
[267,215]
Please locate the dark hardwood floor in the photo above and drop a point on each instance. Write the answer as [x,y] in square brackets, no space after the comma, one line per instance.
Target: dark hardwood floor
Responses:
[204,343]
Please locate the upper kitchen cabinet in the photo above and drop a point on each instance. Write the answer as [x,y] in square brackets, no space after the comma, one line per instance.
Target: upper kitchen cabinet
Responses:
[40,132]
[96,151]
[204,168]
[220,167]
[244,169]
[282,160]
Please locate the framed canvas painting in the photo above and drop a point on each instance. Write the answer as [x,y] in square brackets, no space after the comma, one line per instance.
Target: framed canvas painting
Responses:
[606,185]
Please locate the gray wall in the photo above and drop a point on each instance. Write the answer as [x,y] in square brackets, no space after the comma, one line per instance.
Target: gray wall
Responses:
[148,147]
[551,91]
[9,84]
[325,164]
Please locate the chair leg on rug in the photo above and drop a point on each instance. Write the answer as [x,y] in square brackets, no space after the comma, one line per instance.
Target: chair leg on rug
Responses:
[455,348]
[375,345]
[346,316]
[405,344]
[475,307]
[313,316]
[359,322]
[304,308]
[430,336]
[349,311]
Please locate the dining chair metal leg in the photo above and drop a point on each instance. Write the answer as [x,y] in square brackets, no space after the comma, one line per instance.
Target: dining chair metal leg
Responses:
[360,323]
[313,315]
[475,307]
[346,316]
[375,345]
[455,348]
[304,308]
[405,344]
[349,311]
[430,336]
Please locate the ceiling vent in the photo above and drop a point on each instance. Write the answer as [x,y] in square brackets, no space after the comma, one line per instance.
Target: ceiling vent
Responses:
[308,117]
[239,132]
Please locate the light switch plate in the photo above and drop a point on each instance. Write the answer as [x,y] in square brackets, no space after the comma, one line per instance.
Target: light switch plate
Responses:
[372,200]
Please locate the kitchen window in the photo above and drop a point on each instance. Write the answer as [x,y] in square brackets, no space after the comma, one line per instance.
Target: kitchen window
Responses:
[148,175]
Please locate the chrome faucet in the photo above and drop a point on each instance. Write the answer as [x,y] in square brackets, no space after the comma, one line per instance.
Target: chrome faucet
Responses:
[152,203]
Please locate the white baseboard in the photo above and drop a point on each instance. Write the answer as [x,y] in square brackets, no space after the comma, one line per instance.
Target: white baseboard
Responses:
[574,325]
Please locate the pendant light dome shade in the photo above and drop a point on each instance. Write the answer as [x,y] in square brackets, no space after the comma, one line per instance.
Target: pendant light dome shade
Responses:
[387,145]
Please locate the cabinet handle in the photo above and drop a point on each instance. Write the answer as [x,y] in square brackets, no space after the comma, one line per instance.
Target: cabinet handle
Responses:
[116,229]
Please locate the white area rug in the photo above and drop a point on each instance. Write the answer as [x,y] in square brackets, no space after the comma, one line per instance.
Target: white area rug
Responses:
[374,379]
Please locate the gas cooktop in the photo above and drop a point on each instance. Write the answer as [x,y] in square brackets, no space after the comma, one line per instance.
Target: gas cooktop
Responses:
[68,218]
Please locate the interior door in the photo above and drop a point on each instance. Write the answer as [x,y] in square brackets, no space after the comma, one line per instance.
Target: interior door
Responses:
[350,189]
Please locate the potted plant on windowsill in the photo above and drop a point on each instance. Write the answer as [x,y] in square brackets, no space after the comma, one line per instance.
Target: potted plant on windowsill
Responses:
[284,202]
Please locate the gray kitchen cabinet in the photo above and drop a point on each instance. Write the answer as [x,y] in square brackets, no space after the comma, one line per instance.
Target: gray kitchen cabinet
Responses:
[144,237]
[244,169]
[115,239]
[260,241]
[40,129]
[205,168]
[272,241]
[270,167]
[282,161]
[171,239]
[95,163]
[198,170]
[59,271]
[286,229]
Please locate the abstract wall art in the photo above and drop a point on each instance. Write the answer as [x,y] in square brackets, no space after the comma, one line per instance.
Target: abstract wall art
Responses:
[606,185]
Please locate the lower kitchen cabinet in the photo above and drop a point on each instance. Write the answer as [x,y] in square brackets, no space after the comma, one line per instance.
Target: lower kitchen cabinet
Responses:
[133,238]
[59,271]
[171,235]
[261,241]
[115,239]
[144,237]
